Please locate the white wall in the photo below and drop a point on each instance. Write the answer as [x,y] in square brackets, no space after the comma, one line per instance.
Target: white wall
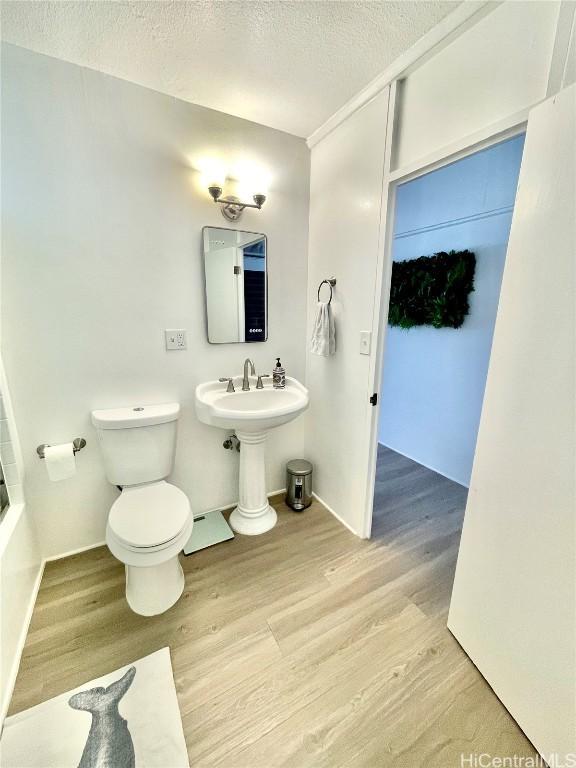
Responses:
[345,192]
[513,606]
[20,570]
[495,69]
[101,248]
[499,65]
[20,559]
[433,378]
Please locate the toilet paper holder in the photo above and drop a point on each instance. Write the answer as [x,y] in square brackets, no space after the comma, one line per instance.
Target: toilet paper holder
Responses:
[78,443]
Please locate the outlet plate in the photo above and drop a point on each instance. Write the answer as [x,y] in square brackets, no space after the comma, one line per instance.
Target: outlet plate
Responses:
[175,338]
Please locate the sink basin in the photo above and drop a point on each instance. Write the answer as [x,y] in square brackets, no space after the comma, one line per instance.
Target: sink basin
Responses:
[251,414]
[254,411]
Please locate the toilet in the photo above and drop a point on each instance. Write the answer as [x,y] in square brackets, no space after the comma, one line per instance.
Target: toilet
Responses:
[150,522]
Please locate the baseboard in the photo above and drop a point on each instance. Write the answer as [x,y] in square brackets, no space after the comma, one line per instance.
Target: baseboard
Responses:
[276,497]
[234,504]
[71,552]
[88,547]
[21,642]
[337,516]
[417,461]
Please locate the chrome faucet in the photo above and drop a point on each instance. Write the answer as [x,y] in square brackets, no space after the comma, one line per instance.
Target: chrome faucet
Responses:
[245,381]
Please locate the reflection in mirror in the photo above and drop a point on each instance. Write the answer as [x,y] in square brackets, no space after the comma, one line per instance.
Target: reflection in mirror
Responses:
[236,285]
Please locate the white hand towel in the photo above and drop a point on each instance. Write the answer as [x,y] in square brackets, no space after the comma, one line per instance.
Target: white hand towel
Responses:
[323,341]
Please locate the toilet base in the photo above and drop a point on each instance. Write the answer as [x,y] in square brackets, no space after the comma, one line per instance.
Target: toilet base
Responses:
[154,577]
[153,589]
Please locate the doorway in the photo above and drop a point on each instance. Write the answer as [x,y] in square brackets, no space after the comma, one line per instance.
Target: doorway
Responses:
[434,373]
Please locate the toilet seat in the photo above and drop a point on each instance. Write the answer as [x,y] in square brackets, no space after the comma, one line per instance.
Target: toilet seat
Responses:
[149,517]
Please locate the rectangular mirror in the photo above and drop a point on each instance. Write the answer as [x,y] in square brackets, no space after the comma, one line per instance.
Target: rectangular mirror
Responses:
[236,285]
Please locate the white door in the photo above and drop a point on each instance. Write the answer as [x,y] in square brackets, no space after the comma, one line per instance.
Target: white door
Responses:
[513,605]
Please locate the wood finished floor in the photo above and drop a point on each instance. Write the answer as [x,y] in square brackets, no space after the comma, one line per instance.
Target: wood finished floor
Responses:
[304,647]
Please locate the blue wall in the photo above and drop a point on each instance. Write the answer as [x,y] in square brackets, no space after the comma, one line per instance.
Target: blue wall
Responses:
[434,379]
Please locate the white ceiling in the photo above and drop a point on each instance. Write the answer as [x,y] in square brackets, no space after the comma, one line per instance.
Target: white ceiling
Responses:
[288,64]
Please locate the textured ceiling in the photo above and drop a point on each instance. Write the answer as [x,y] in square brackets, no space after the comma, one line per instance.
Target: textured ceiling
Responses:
[283,63]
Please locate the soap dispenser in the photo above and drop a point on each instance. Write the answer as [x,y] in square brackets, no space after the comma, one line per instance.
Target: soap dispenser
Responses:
[278,376]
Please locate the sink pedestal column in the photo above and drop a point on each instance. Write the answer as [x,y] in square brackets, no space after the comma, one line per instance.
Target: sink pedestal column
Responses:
[253,515]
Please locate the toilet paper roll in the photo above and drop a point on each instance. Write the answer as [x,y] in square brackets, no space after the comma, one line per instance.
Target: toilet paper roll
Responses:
[60,461]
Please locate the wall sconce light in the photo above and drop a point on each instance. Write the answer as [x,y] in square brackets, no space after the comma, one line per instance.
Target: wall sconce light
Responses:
[232,207]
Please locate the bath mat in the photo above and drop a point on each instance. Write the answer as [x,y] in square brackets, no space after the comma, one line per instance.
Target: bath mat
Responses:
[127,719]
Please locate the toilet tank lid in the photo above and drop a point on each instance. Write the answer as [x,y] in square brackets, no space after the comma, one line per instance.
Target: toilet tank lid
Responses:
[135,416]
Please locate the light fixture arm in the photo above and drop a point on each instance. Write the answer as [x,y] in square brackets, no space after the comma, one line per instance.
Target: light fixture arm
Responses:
[216,193]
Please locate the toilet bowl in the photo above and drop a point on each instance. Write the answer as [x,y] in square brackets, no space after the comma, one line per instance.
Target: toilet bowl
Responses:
[147,528]
[151,521]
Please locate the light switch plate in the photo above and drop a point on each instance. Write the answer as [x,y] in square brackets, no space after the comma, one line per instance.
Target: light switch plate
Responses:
[365,342]
[175,338]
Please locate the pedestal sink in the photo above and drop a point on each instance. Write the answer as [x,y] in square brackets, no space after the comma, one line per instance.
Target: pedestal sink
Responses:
[252,415]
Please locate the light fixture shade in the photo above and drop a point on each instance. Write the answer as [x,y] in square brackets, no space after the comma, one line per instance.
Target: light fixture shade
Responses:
[215,191]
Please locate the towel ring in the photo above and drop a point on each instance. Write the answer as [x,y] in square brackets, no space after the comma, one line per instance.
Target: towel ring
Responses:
[331,282]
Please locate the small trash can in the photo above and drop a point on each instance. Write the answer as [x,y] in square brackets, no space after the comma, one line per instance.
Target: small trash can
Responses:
[298,484]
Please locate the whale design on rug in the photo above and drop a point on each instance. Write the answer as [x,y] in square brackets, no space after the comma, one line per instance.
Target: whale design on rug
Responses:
[109,743]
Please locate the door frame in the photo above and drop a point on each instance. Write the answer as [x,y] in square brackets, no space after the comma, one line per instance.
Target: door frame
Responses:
[507,128]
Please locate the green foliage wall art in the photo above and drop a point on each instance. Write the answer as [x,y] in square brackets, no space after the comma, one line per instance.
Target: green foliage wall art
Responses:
[432,290]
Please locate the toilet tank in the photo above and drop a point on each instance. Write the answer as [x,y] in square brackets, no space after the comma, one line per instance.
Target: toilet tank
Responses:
[138,443]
